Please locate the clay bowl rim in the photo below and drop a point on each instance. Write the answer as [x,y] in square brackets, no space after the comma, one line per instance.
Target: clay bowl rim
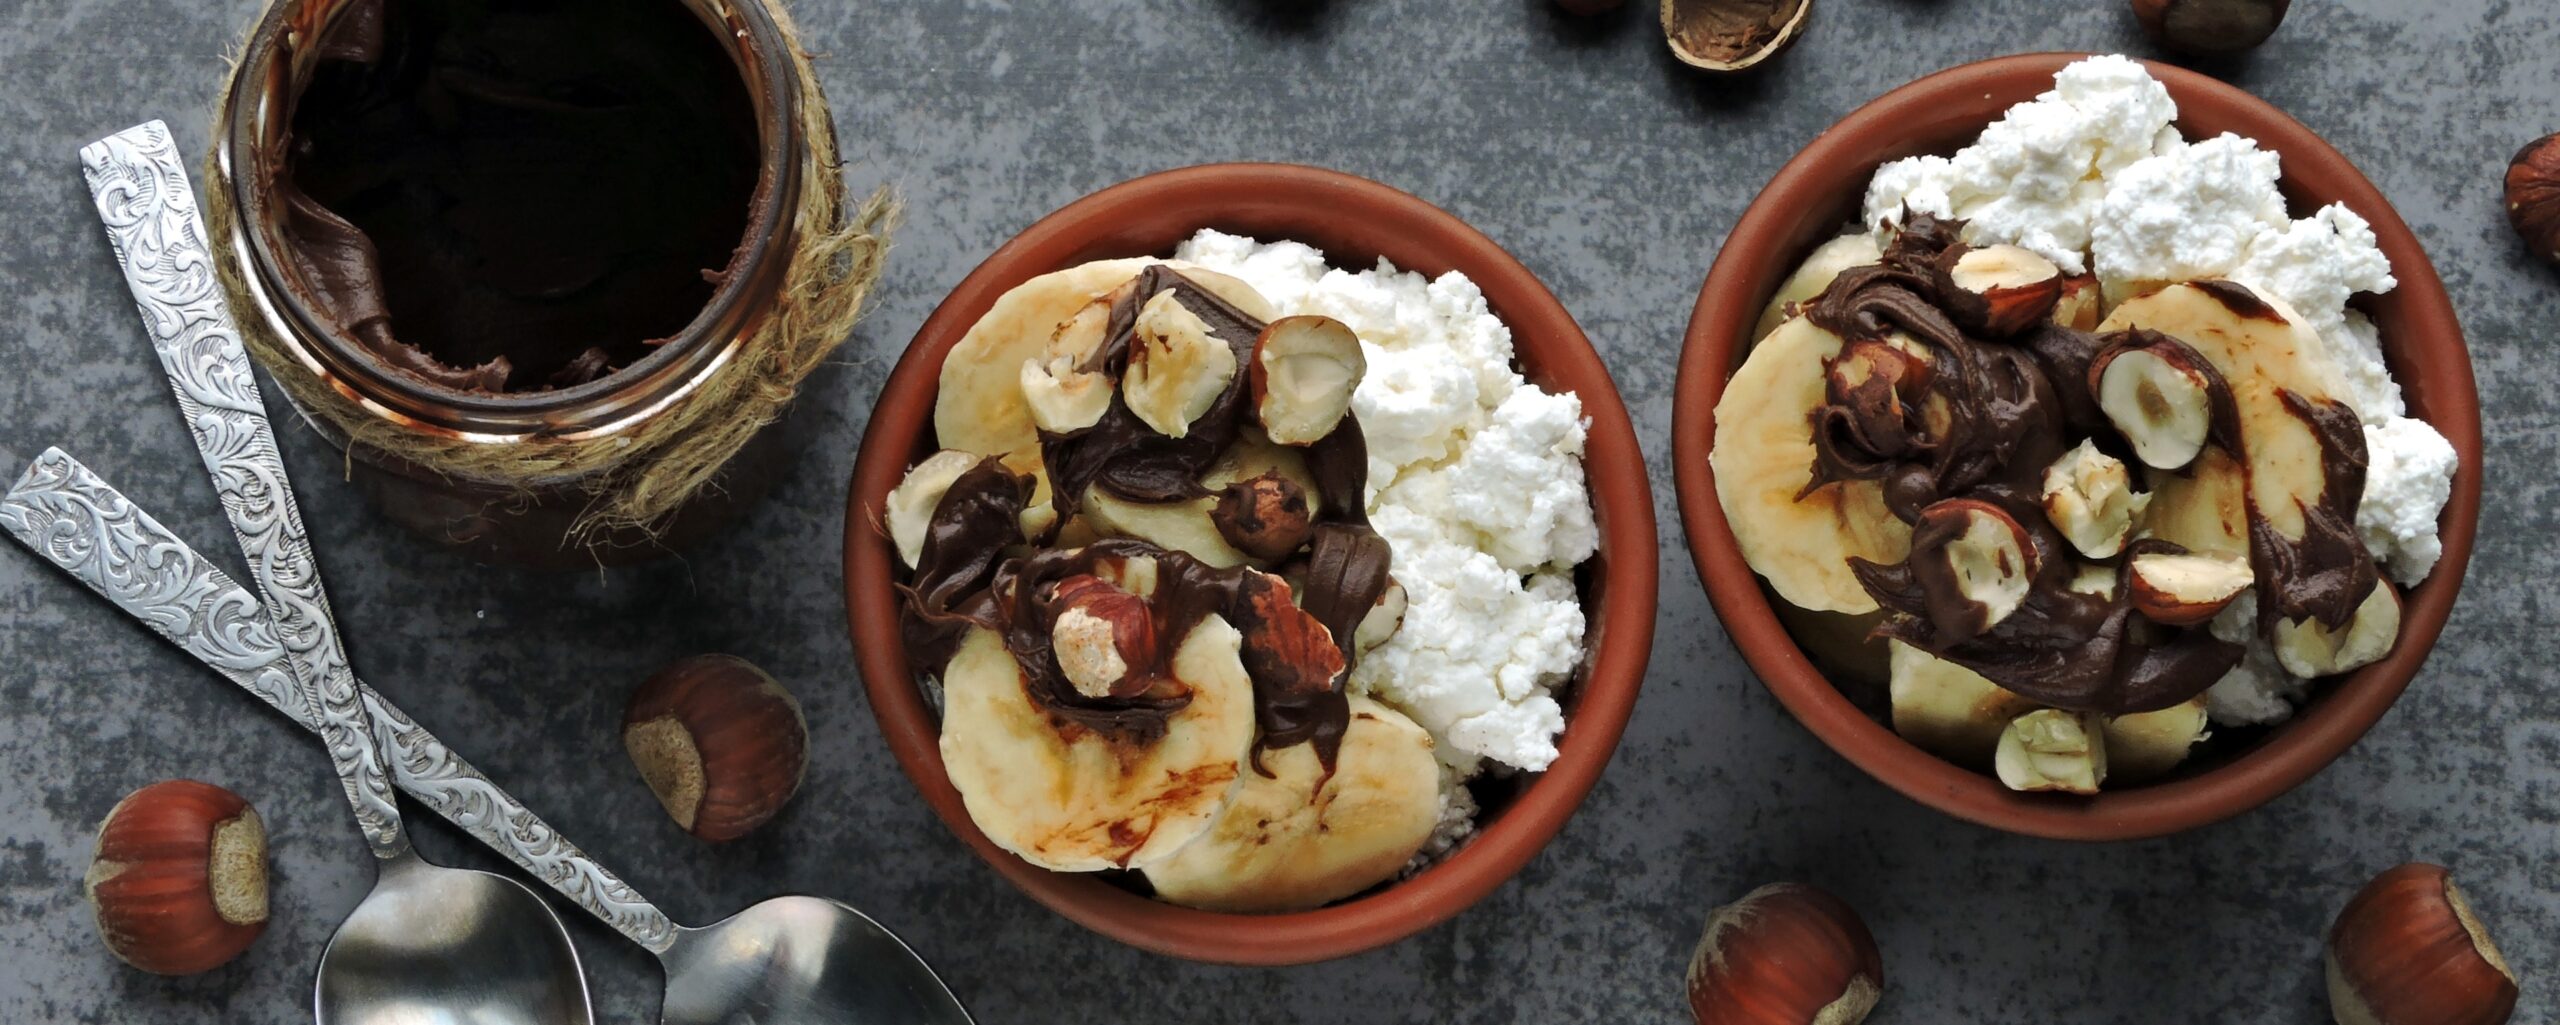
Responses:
[2422,341]
[1322,208]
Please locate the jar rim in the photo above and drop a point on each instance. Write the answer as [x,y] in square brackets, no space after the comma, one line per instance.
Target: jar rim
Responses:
[259,107]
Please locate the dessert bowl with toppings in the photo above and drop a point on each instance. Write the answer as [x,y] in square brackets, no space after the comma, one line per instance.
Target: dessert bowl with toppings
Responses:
[1252,562]
[2078,445]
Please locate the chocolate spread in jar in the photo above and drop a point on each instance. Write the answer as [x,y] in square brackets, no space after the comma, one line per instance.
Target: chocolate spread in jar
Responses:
[507,197]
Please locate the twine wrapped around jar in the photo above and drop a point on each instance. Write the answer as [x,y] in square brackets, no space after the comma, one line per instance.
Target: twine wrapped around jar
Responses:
[635,480]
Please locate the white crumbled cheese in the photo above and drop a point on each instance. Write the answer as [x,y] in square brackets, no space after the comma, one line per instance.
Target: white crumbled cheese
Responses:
[2188,212]
[2408,479]
[1475,480]
[2029,180]
[2094,176]
[2258,691]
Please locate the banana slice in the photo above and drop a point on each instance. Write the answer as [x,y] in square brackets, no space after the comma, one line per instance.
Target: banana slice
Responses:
[1815,274]
[1764,458]
[1071,799]
[980,407]
[1186,525]
[1284,845]
[2204,508]
[1949,710]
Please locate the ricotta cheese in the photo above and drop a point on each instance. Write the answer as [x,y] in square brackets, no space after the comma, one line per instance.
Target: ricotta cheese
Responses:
[1475,479]
[2408,479]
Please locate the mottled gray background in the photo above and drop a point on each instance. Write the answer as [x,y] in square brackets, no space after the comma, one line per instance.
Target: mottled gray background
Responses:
[1580,145]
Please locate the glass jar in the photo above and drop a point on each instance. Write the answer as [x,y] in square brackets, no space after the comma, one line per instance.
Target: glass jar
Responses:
[526,518]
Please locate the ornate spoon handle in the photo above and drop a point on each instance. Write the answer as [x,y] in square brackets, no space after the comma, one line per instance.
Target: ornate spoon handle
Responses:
[63,512]
[141,187]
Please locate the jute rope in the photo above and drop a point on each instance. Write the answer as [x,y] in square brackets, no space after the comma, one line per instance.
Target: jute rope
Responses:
[636,480]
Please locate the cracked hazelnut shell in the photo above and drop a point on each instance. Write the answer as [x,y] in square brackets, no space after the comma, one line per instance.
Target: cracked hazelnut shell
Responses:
[2210,27]
[2533,196]
[1785,954]
[1731,35]
[2407,950]
[179,879]
[719,742]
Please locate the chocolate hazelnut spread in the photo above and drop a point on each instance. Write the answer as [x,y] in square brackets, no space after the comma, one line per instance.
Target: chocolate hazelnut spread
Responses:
[1936,415]
[506,197]
[972,571]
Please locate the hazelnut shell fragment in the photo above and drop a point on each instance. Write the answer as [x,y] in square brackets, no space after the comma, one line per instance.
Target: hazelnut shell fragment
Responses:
[2533,196]
[2407,950]
[179,879]
[2210,27]
[1785,954]
[1731,35]
[719,742]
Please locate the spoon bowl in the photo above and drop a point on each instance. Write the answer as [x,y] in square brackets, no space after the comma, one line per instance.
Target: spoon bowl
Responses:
[447,946]
[801,959]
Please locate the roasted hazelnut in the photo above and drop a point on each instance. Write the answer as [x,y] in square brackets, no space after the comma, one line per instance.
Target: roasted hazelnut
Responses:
[2533,196]
[1304,371]
[1785,954]
[1265,517]
[2210,26]
[721,744]
[1286,651]
[179,880]
[1103,637]
[2187,589]
[2406,950]
[1730,35]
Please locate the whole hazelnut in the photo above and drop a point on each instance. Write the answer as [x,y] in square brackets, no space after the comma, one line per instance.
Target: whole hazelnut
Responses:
[1104,638]
[1265,517]
[2210,26]
[179,879]
[2533,196]
[2406,950]
[721,744]
[1785,954]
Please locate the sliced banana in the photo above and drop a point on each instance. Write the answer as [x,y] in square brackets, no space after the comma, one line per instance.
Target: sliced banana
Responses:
[1815,274]
[1186,525]
[1284,845]
[2202,509]
[980,406]
[1070,799]
[1763,459]
[909,507]
[1949,710]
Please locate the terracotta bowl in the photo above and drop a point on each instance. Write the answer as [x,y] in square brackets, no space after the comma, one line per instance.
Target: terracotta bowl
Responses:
[1355,221]
[1818,193]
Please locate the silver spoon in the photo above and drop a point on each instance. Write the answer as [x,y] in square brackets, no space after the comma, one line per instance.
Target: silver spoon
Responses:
[786,960]
[429,944]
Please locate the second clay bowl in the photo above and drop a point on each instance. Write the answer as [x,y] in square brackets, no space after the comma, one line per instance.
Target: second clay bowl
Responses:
[1816,196]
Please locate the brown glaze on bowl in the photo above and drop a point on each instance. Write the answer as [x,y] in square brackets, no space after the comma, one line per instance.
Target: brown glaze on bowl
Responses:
[1818,193]
[1355,221]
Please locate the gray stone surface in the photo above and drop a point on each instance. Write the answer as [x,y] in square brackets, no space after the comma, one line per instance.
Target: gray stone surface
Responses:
[1614,174]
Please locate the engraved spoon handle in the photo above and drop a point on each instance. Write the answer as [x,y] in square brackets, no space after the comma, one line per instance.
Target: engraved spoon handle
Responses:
[63,512]
[149,207]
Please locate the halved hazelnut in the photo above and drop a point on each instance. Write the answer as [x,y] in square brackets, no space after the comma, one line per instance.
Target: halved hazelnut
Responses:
[2310,649]
[2187,589]
[1104,638]
[1998,291]
[1265,517]
[909,507]
[2051,749]
[2407,950]
[1972,548]
[1785,954]
[2159,401]
[1304,371]
[1177,369]
[1730,35]
[2089,496]
[1061,398]
[179,878]
[719,742]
